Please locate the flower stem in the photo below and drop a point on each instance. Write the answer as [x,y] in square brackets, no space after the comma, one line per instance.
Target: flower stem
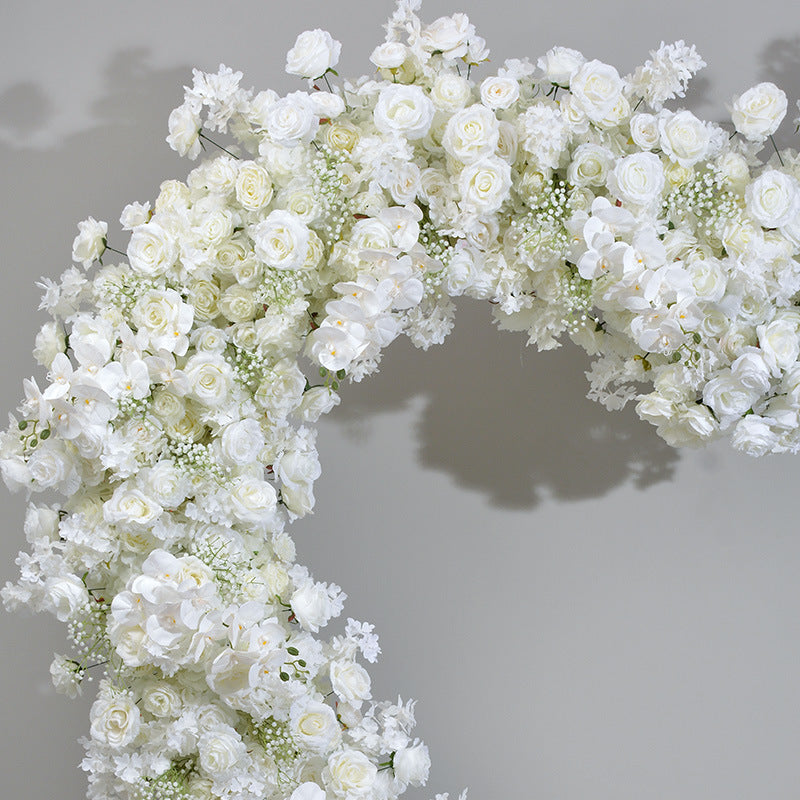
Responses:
[772,139]
[211,141]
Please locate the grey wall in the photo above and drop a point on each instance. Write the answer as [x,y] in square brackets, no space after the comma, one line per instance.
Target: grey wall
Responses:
[581,612]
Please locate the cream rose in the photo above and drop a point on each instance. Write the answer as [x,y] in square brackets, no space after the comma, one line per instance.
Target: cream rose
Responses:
[314,726]
[210,377]
[471,134]
[253,186]
[644,131]
[349,773]
[485,184]
[404,110]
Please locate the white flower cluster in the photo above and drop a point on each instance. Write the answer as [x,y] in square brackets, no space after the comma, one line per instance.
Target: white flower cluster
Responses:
[182,382]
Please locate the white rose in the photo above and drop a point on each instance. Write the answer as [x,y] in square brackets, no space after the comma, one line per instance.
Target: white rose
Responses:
[134,214]
[253,186]
[350,681]
[389,55]
[281,240]
[448,35]
[115,721]
[301,200]
[412,765]
[471,134]
[753,436]
[779,340]
[485,185]
[349,773]
[559,64]
[327,105]
[129,506]
[65,596]
[238,304]
[90,243]
[184,131]
[708,278]
[151,250]
[728,398]
[450,92]
[220,751]
[499,92]
[597,88]
[684,138]
[161,700]
[735,170]
[311,605]
[313,54]
[752,372]
[773,198]
[404,110]
[644,131]
[655,408]
[308,791]
[210,378]
[242,442]
[253,501]
[759,111]
[203,297]
[589,165]
[292,120]
[699,421]
[638,179]
[314,726]
[167,406]
[317,401]
[51,468]
[167,484]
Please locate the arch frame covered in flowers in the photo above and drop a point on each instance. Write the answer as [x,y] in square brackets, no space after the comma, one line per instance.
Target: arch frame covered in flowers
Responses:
[184,377]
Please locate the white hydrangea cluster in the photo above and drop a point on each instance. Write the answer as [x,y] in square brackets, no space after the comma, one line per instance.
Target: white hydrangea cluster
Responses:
[183,380]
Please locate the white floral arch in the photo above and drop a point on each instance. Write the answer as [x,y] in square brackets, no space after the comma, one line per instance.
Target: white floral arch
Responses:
[53,594]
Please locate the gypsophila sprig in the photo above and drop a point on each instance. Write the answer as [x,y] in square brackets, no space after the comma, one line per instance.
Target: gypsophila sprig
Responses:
[183,382]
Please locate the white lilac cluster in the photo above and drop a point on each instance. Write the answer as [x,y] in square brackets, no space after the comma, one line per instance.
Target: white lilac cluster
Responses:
[182,382]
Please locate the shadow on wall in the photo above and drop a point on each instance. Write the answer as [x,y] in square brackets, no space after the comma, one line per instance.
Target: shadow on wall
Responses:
[507,421]
[780,63]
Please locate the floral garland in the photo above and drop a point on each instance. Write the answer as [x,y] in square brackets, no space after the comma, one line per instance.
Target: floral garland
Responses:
[176,417]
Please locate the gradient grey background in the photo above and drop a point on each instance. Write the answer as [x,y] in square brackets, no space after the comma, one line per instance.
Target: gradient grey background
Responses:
[580,611]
